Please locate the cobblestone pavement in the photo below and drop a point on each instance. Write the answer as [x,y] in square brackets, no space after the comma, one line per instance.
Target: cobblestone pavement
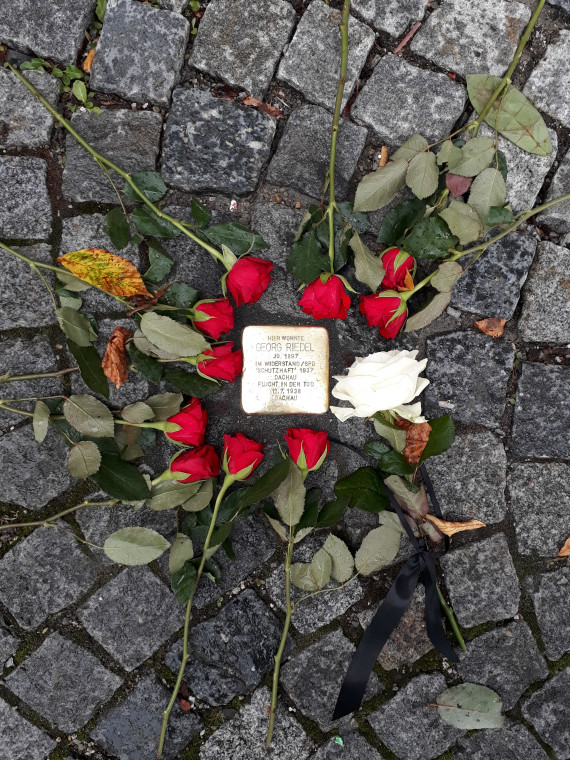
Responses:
[88,648]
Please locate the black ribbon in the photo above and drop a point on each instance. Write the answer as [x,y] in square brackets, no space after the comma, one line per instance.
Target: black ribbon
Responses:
[391,610]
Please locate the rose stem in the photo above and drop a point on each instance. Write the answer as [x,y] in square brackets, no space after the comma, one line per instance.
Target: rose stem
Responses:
[451,617]
[16,378]
[228,480]
[334,130]
[110,165]
[47,522]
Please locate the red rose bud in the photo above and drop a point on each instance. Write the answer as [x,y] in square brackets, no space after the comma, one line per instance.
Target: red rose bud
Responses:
[248,279]
[307,448]
[214,318]
[242,456]
[221,362]
[325,300]
[399,266]
[386,310]
[198,464]
[192,421]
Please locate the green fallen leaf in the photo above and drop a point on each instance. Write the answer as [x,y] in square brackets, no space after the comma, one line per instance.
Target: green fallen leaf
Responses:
[135,546]
[342,559]
[89,416]
[40,421]
[429,313]
[84,459]
[171,336]
[488,189]
[367,265]
[377,189]
[476,155]
[422,176]
[430,239]
[469,705]
[463,221]
[447,275]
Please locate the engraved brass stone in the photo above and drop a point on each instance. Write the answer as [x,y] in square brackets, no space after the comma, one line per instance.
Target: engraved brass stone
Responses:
[285,370]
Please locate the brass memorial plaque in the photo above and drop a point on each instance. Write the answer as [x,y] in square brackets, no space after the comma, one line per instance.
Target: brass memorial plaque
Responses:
[285,370]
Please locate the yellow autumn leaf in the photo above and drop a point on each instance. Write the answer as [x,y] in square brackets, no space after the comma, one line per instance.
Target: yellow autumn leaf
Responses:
[449,528]
[106,271]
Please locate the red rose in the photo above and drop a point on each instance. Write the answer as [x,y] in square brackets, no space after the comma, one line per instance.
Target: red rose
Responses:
[192,420]
[199,464]
[399,266]
[325,300]
[307,448]
[248,279]
[241,455]
[219,317]
[221,362]
[386,310]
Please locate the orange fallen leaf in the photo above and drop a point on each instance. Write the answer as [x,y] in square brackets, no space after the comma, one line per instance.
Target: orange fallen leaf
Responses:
[450,528]
[185,705]
[417,436]
[114,362]
[383,156]
[106,271]
[88,62]
[267,108]
[565,551]
[494,327]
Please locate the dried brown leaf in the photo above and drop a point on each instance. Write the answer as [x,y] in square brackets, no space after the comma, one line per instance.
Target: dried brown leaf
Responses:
[88,62]
[115,360]
[493,326]
[144,302]
[417,436]
[450,528]
[267,108]
[565,551]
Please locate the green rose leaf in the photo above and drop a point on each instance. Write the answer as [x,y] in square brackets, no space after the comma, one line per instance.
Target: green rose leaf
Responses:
[376,449]
[447,275]
[306,260]
[267,484]
[367,265]
[393,463]
[302,578]
[500,215]
[395,437]
[135,546]
[429,313]
[137,412]
[332,512]
[160,263]
[151,184]
[238,238]
[71,282]
[448,154]
[512,114]
[463,221]
[399,220]
[379,547]
[487,190]
[422,176]
[200,213]
[164,405]
[120,479]
[190,383]
[311,511]
[40,421]
[321,568]
[182,295]
[180,551]
[415,503]
[357,220]
[430,239]
[411,148]
[84,459]
[342,560]
[364,490]
[148,223]
[201,498]
[170,494]
[377,189]
[89,416]
[145,365]
[75,325]
[183,582]
[476,155]
[469,706]
[171,336]
[441,437]
[89,364]
[289,496]
[116,227]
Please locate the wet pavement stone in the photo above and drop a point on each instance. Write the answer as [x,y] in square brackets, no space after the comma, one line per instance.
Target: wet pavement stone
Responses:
[482,581]
[55,30]
[457,39]
[27,476]
[242,42]
[43,574]
[211,144]
[392,16]
[156,43]
[243,737]
[510,742]
[24,122]
[313,678]
[546,304]
[311,62]
[409,726]
[549,712]
[540,503]
[558,217]
[492,286]
[231,653]
[277,225]
[416,101]
[548,82]
[351,746]
[8,646]
[302,156]
[19,739]
[468,375]
[25,207]
[63,669]
[129,731]
[130,139]
[537,432]
[24,300]
[131,616]
[456,474]
[549,593]
[506,660]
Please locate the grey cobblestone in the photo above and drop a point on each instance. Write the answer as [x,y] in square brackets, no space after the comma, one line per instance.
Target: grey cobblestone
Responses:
[351,746]
[156,44]
[63,669]
[212,144]
[43,574]
[510,741]
[546,304]
[549,593]
[132,616]
[277,225]
[416,101]
[25,207]
[550,79]
[241,42]
[312,59]
[20,740]
[8,645]
[130,139]
[390,16]
[482,581]
[558,216]
[24,122]
[549,712]
[24,300]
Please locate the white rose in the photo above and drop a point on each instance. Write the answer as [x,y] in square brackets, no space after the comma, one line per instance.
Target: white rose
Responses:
[386,381]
